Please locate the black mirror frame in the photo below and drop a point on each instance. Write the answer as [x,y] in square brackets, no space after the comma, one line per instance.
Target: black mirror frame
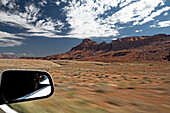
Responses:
[36,98]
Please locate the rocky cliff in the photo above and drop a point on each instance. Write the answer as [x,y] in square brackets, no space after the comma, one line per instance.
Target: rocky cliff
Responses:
[144,48]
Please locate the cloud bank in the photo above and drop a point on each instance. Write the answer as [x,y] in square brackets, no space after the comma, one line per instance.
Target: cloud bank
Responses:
[86,18]
[98,19]
[10,40]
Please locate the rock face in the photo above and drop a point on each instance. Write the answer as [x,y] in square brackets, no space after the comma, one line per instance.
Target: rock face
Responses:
[120,44]
[144,48]
[87,44]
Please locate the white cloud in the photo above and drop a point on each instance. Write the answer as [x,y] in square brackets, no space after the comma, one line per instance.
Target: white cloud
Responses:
[11,5]
[135,12]
[5,2]
[154,26]
[85,19]
[43,2]
[49,25]
[154,14]
[84,15]
[138,31]
[26,55]
[125,2]
[12,18]
[9,53]
[31,13]
[9,40]
[8,3]
[57,3]
[164,24]
[114,39]
[49,35]
[166,14]
[8,35]
[64,1]
[44,27]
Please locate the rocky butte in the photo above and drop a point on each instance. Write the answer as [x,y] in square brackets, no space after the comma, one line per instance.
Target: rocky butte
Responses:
[144,48]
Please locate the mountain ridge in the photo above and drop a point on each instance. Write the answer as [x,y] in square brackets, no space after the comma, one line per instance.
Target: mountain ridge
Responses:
[6,56]
[143,48]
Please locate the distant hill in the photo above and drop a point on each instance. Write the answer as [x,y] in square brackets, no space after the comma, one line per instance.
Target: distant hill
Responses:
[144,48]
[6,56]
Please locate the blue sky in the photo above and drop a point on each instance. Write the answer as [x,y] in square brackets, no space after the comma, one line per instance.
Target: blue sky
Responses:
[47,27]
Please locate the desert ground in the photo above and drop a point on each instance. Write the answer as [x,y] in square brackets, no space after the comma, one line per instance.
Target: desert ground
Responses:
[96,87]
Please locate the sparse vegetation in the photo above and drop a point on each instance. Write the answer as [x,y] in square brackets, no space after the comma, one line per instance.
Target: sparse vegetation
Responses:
[101,89]
[114,77]
[147,78]
[133,83]
[124,77]
[122,83]
[84,101]
[143,82]
[71,94]
[82,86]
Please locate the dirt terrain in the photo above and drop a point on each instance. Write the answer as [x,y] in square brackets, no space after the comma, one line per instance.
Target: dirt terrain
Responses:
[96,87]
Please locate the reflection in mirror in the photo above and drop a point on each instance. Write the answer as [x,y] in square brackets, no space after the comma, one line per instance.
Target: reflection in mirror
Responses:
[20,85]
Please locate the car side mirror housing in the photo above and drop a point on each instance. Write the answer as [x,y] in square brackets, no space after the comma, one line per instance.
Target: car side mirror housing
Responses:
[24,85]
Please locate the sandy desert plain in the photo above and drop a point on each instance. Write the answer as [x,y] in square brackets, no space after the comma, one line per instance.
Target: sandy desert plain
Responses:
[96,87]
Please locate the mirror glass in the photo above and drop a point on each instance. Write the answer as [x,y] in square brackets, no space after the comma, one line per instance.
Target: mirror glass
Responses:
[25,85]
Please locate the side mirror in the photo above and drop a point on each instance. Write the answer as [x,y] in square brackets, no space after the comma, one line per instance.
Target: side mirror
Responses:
[24,85]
